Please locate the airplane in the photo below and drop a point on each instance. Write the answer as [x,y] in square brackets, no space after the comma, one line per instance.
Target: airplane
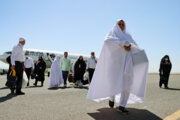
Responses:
[48,56]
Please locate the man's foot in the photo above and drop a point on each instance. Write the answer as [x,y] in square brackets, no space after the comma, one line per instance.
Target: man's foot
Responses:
[111,104]
[12,91]
[20,93]
[28,84]
[65,86]
[123,109]
[166,87]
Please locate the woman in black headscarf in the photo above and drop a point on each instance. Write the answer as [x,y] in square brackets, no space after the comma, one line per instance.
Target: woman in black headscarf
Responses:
[164,71]
[79,70]
[40,68]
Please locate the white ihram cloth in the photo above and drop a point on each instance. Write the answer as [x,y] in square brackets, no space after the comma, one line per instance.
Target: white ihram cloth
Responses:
[118,70]
[56,73]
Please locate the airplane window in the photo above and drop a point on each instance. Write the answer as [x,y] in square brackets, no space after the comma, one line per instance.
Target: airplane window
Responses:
[41,54]
[8,53]
[32,53]
[27,52]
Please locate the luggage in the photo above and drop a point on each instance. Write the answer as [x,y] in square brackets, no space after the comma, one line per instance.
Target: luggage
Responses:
[86,78]
[33,75]
[71,78]
[11,79]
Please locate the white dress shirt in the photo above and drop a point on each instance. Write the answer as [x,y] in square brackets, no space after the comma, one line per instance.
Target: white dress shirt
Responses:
[29,63]
[17,54]
[91,63]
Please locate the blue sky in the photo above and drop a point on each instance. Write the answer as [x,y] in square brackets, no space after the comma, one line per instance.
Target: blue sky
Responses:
[80,26]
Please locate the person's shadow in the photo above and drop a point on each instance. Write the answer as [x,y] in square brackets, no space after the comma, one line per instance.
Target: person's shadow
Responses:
[4,88]
[177,89]
[7,97]
[60,87]
[114,114]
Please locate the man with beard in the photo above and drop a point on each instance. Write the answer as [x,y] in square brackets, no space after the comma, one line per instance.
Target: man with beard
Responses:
[17,62]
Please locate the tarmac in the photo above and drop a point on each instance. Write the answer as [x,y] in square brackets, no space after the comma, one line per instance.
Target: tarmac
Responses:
[43,103]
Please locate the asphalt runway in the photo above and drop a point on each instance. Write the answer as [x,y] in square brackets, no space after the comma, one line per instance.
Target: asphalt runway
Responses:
[42,103]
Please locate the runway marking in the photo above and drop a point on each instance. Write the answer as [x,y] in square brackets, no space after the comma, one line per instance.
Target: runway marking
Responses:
[173,116]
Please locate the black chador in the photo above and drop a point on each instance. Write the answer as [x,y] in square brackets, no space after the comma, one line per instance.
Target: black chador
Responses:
[40,68]
[164,71]
[79,69]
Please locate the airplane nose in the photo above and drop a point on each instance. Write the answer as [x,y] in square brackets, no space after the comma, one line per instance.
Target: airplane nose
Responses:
[2,57]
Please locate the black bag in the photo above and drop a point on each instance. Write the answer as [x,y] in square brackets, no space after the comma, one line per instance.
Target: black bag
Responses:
[11,79]
[70,78]
[33,76]
[85,82]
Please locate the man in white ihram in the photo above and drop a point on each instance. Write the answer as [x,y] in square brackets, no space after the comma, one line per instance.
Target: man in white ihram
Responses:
[121,71]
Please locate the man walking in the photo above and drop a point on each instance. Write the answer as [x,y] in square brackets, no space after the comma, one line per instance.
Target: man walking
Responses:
[91,65]
[29,66]
[17,61]
[66,67]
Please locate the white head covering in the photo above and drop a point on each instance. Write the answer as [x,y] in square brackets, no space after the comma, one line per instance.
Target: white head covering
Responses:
[57,60]
[115,72]
[56,73]
[21,39]
[120,35]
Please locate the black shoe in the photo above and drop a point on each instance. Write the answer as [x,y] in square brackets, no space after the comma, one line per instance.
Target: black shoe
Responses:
[111,104]
[166,87]
[20,93]
[123,109]
[35,84]
[12,91]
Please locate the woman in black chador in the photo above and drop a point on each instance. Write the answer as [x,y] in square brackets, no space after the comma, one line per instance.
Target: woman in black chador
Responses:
[40,68]
[164,71]
[79,70]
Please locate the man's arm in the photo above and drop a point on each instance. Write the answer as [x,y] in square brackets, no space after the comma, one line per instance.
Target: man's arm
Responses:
[70,66]
[32,64]
[14,52]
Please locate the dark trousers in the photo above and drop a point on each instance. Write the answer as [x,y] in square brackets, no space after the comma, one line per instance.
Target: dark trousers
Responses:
[65,75]
[28,73]
[91,72]
[19,67]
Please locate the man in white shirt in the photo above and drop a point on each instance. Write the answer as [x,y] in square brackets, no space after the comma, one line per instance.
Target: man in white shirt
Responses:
[29,66]
[91,65]
[17,61]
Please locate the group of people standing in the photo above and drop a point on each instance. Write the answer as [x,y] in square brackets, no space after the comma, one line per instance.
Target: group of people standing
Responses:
[21,62]
[61,67]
